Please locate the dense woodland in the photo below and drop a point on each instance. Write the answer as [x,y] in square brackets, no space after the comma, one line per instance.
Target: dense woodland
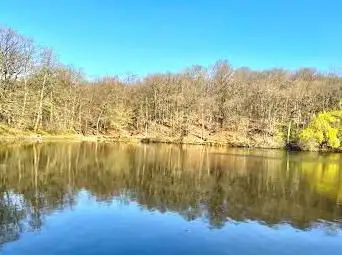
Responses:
[220,103]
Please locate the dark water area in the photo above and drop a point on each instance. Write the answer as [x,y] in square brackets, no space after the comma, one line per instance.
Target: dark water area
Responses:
[98,198]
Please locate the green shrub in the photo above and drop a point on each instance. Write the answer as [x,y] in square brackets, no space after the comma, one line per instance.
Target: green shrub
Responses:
[325,130]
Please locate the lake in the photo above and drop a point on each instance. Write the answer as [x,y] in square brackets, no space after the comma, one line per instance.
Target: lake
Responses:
[101,198]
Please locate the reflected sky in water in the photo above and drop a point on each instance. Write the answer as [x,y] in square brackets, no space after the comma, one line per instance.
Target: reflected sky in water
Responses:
[88,198]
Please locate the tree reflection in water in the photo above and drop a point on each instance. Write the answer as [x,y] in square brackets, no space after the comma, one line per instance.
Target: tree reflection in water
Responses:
[214,184]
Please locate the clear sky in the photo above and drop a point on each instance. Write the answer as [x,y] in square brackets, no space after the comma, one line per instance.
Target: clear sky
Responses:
[143,36]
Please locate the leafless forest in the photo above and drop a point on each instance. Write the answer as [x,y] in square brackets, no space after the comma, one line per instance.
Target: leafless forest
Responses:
[219,103]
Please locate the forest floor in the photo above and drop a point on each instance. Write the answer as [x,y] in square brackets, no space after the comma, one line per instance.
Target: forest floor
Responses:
[159,134]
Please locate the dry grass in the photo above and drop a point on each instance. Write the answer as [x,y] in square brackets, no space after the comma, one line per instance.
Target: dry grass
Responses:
[156,134]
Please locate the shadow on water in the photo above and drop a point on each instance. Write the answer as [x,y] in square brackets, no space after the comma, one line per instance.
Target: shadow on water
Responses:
[216,185]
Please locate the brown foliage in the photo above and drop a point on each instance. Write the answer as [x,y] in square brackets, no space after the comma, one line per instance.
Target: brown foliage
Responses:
[37,92]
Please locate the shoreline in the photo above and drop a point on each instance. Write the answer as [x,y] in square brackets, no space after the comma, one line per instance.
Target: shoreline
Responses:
[37,138]
[34,138]
[130,139]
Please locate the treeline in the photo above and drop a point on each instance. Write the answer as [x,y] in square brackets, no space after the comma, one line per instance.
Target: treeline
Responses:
[220,103]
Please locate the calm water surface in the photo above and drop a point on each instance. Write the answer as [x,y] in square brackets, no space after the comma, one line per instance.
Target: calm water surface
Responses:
[88,198]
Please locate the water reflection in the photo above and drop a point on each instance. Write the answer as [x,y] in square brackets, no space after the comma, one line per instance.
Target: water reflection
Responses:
[216,185]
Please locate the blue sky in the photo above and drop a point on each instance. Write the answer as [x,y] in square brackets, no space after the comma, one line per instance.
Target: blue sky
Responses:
[143,36]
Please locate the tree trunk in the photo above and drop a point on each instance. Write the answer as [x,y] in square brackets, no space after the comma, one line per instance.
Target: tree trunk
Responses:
[39,112]
[51,108]
[73,112]
[289,132]
[146,118]
[24,103]
[80,117]
[98,122]
[202,123]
